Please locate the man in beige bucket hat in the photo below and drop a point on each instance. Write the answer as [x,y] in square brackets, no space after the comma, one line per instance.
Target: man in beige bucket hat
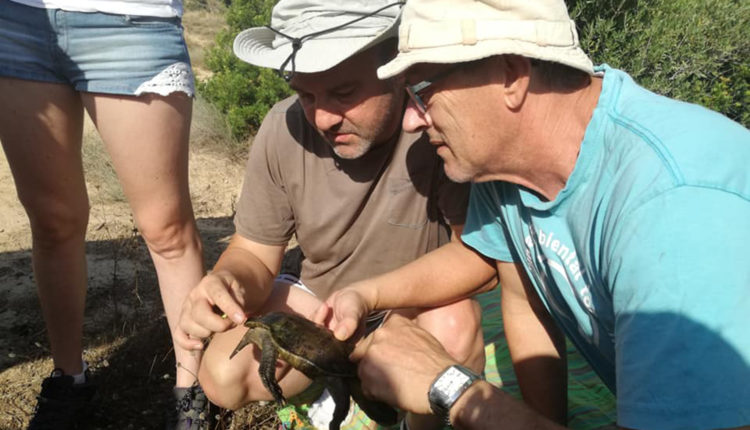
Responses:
[332,167]
[613,216]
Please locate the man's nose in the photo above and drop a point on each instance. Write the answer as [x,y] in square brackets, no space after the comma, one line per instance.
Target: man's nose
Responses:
[325,119]
[414,120]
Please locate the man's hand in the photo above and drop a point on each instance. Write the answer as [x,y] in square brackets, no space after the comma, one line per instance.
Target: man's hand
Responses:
[398,362]
[215,305]
[344,310]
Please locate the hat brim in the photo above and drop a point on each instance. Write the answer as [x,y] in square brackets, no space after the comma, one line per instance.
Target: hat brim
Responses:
[255,46]
[570,56]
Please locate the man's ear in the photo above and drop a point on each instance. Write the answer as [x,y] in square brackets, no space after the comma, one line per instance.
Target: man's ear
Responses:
[516,72]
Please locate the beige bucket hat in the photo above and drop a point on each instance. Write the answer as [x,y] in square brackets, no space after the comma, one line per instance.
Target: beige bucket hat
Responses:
[311,36]
[456,31]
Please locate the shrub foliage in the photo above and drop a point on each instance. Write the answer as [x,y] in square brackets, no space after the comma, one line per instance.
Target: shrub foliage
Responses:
[692,50]
[242,92]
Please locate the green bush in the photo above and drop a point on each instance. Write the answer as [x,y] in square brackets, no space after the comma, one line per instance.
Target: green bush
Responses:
[243,93]
[691,50]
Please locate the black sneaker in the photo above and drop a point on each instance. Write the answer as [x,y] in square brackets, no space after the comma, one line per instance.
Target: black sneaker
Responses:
[62,405]
[192,410]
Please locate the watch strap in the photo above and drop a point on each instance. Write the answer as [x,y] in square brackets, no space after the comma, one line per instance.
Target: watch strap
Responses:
[446,389]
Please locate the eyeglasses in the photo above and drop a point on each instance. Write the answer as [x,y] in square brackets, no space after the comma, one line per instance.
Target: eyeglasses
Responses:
[415,90]
[297,41]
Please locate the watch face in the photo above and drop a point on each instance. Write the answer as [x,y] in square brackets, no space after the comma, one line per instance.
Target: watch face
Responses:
[448,387]
[451,381]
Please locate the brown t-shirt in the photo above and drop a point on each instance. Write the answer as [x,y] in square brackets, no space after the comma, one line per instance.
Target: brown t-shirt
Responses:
[354,219]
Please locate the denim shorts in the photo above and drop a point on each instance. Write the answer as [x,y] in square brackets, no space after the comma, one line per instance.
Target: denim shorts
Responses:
[94,52]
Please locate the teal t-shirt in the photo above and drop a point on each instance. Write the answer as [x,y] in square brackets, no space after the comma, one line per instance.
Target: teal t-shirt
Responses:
[644,257]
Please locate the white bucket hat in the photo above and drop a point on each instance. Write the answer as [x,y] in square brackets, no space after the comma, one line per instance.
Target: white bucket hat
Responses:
[311,36]
[456,31]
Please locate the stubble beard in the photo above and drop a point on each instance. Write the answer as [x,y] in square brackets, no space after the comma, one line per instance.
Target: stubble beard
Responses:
[352,151]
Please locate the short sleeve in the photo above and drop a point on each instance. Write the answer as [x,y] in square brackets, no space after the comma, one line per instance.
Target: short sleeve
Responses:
[264,213]
[484,229]
[679,274]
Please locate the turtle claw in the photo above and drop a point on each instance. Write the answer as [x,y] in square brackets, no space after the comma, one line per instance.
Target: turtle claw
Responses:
[236,350]
[246,340]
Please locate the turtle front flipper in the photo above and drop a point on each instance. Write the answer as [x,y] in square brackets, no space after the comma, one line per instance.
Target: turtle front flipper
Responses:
[261,337]
[379,412]
[267,368]
[339,391]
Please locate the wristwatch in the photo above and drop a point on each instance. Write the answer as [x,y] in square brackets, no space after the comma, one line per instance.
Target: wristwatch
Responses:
[449,385]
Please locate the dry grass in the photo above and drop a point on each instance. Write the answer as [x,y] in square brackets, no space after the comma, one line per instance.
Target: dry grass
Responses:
[210,132]
[202,20]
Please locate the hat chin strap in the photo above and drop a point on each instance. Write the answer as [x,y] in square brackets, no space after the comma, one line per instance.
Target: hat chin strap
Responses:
[296,45]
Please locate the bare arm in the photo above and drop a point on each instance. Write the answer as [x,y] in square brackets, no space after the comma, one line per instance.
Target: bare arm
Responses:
[402,376]
[537,346]
[538,352]
[447,274]
[484,406]
[239,284]
[442,276]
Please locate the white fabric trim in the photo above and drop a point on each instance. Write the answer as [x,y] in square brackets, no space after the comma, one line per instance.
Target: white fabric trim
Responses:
[177,77]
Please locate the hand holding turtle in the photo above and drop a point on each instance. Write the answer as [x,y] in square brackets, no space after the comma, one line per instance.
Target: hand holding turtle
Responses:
[344,311]
[215,305]
[398,362]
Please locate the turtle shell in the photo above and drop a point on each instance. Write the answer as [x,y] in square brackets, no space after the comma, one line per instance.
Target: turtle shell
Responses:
[311,348]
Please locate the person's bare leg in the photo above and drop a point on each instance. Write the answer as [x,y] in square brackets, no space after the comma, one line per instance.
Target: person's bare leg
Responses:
[458,327]
[147,139]
[41,129]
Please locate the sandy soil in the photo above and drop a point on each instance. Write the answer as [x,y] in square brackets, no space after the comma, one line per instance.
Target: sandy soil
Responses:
[126,337]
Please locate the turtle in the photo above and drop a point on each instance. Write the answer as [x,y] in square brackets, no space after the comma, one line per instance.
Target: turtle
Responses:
[313,350]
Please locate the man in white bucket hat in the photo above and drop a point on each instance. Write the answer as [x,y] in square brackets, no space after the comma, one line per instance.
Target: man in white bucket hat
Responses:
[613,216]
[333,167]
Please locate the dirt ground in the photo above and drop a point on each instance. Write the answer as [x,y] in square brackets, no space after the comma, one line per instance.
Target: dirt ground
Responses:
[126,336]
